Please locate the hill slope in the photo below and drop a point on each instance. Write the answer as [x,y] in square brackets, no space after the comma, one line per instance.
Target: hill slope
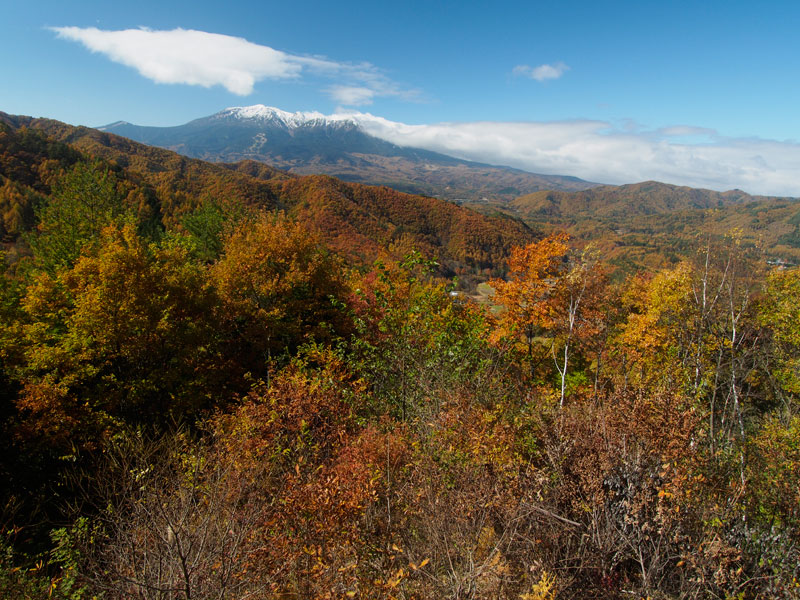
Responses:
[358,221]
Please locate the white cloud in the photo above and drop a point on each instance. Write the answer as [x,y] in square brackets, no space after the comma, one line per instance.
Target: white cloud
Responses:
[602,152]
[542,72]
[351,95]
[186,56]
[686,130]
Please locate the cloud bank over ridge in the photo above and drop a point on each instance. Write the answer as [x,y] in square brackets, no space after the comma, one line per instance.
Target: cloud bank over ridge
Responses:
[600,151]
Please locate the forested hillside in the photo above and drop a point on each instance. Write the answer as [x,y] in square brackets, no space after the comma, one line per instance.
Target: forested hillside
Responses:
[355,220]
[227,382]
[652,224]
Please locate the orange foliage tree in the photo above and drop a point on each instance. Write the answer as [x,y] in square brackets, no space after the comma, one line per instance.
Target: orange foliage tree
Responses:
[533,272]
[552,290]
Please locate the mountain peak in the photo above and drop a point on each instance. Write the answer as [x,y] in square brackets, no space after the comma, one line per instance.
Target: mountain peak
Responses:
[262,113]
[113,125]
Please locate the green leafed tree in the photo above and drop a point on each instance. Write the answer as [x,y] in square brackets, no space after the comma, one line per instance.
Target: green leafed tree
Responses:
[207,226]
[83,202]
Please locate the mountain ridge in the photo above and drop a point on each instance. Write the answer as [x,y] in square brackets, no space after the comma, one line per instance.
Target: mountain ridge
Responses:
[313,143]
[643,198]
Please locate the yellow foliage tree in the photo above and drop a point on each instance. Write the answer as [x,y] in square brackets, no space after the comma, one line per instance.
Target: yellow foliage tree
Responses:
[277,286]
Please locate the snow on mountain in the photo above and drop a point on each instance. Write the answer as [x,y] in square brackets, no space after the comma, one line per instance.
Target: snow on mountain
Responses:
[111,126]
[262,113]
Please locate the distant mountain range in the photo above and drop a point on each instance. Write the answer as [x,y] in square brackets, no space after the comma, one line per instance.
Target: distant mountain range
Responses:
[311,143]
[652,224]
[625,201]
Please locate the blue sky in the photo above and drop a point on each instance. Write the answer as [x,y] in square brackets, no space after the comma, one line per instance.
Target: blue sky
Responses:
[695,93]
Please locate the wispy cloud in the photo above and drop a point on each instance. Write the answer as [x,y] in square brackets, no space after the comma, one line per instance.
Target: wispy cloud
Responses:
[349,95]
[542,72]
[186,56]
[604,152]
[686,130]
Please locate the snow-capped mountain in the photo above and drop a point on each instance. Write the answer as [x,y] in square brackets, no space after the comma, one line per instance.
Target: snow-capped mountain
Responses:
[310,142]
[262,114]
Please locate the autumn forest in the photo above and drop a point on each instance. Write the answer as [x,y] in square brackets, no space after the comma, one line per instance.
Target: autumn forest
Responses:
[225,381]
